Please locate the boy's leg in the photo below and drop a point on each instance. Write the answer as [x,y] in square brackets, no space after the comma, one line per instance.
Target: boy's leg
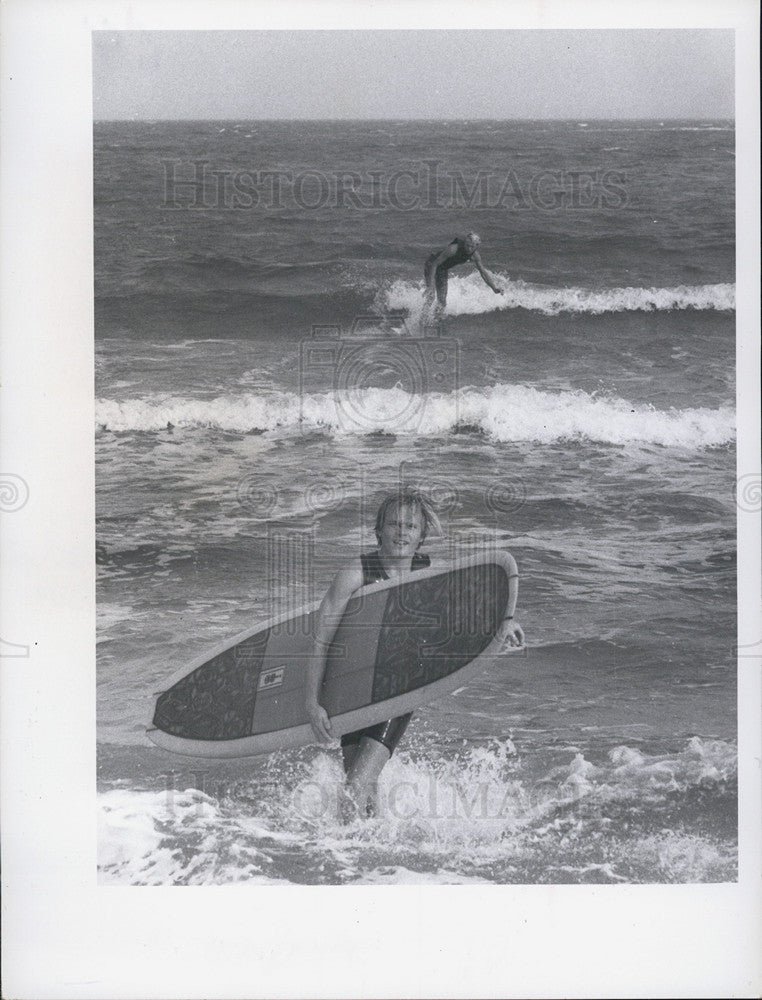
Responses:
[441,283]
[373,750]
[362,776]
[348,754]
[428,293]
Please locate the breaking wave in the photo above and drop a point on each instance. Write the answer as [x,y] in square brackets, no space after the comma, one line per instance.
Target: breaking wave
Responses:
[504,413]
[470,296]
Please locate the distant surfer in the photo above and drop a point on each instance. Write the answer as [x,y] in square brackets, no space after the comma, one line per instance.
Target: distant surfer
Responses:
[404,520]
[462,250]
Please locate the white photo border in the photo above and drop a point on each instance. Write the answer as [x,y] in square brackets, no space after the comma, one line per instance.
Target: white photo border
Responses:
[65,936]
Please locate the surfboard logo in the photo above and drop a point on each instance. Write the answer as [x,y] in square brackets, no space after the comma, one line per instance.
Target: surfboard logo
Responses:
[271,679]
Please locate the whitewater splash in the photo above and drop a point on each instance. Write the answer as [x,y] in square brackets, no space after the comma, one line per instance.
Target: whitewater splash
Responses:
[504,413]
[478,817]
[470,296]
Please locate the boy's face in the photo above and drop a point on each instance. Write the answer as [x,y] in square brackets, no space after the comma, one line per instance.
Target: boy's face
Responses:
[402,531]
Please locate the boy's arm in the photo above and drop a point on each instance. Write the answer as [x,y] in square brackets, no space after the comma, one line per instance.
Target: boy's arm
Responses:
[331,611]
[488,279]
[510,631]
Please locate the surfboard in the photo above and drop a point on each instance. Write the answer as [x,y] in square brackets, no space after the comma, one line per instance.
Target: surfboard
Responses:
[399,645]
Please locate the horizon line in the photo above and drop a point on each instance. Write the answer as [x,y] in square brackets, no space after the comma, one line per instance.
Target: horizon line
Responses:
[574,118]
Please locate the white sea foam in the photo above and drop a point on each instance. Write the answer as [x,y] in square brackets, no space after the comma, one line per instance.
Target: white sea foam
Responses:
[399,875]
[468,295]
[173,838]
[506,413]
[472,817]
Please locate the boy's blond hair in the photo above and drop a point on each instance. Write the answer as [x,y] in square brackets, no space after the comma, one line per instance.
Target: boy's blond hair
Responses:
[412,497]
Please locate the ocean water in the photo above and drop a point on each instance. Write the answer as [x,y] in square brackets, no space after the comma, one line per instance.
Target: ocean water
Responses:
[263,378]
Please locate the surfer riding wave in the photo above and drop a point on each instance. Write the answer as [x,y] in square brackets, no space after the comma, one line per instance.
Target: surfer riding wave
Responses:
[404,520]
[462,250]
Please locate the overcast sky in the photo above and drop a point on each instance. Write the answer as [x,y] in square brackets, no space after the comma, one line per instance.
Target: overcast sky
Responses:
[413,74]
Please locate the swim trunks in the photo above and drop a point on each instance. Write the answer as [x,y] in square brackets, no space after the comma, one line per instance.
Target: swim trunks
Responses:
[441,274]
[387,733]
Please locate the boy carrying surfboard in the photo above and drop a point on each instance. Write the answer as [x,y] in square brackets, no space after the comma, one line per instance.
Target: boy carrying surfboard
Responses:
[403,522]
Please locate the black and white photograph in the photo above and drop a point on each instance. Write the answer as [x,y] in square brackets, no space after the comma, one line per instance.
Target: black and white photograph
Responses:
[336,346]
[415,484]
